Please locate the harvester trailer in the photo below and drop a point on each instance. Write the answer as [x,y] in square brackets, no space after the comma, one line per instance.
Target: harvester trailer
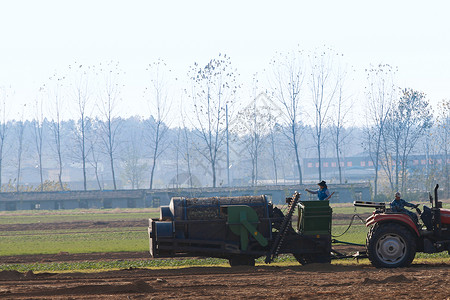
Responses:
[242,229]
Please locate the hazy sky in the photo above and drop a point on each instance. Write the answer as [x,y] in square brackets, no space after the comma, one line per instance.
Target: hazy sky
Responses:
[38,38]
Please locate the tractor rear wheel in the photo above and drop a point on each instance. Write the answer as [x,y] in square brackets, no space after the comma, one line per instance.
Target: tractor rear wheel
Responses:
[390,245]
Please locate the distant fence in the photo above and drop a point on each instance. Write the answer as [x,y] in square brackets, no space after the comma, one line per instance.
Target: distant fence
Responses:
[145,198]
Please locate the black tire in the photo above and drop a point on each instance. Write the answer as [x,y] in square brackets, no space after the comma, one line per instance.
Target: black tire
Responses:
[302,259]
[241,260]
[312,258]
[390,245]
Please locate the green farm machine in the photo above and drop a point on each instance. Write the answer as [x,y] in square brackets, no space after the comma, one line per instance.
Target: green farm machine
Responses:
[242,229]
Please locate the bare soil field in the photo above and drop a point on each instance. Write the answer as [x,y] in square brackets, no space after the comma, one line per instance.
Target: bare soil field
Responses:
[316,281]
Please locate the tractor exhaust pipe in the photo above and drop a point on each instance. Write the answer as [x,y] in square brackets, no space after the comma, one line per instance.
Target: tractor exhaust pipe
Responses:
[437,203]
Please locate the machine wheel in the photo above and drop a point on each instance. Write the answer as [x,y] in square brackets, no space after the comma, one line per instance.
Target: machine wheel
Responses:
[302,259]
[241,260]
[390,246]
[311,258]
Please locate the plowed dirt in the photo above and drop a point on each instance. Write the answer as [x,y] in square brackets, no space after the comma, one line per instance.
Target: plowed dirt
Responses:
[315,281]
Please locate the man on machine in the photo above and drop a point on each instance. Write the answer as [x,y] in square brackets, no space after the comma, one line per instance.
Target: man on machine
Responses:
[398,205]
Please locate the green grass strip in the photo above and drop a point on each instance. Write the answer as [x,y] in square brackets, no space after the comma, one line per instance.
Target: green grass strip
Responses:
[74,217]
[282,260]
[71,231]
[112,265]
[74,243]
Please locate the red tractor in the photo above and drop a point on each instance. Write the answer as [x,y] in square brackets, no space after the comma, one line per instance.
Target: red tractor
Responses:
[394,238]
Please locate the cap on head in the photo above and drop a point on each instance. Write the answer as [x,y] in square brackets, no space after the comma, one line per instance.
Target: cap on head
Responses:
[398,194]
[322,183]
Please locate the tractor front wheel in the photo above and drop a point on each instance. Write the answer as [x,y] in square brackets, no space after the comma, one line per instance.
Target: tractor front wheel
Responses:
[390,245]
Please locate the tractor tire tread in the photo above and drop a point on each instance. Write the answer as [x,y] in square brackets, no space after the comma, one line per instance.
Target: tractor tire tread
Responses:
[378,231]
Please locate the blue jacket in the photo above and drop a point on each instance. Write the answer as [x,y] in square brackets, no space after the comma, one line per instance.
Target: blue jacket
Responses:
[399,205]
[322,194]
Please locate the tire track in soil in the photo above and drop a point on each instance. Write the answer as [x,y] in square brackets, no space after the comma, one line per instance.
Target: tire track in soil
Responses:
[314,281]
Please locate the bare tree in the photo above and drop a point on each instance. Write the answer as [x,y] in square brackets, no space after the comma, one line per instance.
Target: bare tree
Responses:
[39,134]
[391,148]
[94,150]
[214,86]
[287,83]
[132,160]
[274,129]
[109,96]
[55,96]
[132,156]
[5,94]
[324,87]
[443,139]
[339,131]
[380,93]
[408,122]
[81,93]
[252,128]
[186,141]
[159,104]
[20,126]
[387,158]
[177,158]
